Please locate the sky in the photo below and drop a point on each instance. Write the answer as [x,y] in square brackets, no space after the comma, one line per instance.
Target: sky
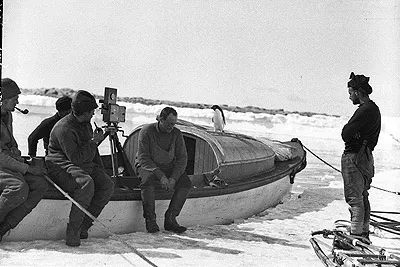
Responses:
[295,55]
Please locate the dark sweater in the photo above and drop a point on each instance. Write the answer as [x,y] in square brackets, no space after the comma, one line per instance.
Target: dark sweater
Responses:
[71,144]
[150,140]
[42,132]
[365,124]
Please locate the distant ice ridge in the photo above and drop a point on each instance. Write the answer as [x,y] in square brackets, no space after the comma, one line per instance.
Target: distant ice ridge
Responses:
[390,125]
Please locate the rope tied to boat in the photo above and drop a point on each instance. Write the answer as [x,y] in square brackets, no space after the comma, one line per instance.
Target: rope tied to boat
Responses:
[386,190]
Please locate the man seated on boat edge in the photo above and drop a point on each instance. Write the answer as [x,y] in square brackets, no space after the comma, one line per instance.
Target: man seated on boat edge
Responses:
[21,186]
[161,161]
[42,131]
[74,163]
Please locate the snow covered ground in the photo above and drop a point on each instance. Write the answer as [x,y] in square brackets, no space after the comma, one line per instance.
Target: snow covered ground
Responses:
[277,237]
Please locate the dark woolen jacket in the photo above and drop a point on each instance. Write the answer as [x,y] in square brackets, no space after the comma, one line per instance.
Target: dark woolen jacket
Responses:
[42,132]
[71,144]
[365,124]
[150,138]
[10,155]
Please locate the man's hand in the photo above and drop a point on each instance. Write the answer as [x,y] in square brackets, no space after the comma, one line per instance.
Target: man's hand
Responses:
[83,181]
[171,184]
[35,170]
[164,182]
[98,135]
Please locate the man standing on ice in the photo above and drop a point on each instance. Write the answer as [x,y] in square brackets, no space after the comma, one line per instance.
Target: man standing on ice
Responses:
[360,136]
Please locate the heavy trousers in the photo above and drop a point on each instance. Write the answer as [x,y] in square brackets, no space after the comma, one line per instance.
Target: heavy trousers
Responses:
[148,185]
[93,196]
[19,194]
[356,187]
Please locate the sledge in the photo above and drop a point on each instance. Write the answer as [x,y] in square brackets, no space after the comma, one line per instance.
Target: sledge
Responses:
[338,248]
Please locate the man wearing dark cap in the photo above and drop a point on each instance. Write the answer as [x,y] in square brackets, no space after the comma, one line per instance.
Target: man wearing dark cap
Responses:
[74,163]
[63,106]
[360,136]
[22,186]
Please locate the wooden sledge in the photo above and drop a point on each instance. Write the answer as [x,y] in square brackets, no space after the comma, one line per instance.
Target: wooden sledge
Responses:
[347,250]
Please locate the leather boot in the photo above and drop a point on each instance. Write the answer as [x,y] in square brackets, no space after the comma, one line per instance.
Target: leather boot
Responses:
[72,239]
[149,208]
[175,207]
[4,228]
[365,235]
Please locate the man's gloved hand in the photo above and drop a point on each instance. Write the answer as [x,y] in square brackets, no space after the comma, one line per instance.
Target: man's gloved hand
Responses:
[83,181]
[98,135]
[164,182]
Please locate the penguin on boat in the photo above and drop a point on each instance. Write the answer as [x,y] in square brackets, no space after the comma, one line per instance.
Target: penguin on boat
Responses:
[218,118]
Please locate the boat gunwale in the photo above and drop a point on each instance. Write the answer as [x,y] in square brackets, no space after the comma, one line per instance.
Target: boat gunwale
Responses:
[279,172]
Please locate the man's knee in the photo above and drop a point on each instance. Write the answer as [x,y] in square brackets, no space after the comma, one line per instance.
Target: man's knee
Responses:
[37,184]
[184,182]
[83,193]
[17,194]
[107,185]
[355,201]
[146,178]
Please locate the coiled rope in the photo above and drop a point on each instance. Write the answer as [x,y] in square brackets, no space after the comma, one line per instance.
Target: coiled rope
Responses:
[336,169]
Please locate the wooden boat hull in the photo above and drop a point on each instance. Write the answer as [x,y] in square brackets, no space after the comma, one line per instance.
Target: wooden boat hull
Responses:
[255,182]
[49,219]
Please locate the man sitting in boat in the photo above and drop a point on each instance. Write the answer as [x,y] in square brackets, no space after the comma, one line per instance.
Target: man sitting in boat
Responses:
[161,160]
[74,164]
[21,186]
[63,106]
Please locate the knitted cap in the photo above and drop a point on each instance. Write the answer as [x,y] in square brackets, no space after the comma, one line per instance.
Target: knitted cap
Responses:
[9,88]
[358,82]
[63,103]
[83,102]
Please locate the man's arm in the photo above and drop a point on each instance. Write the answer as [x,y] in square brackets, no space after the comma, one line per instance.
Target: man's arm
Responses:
[8,162]
[144,154]
[68,141]
[181,157]
[40,132]
[352,128]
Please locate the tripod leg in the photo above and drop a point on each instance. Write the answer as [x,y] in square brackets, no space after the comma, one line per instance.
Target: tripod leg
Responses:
[127,164]
[117,146]
[114,161]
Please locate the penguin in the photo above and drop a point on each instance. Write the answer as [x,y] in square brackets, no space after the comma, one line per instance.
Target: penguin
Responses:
[218,118]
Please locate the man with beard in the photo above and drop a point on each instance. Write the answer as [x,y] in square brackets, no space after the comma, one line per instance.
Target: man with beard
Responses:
[360,136]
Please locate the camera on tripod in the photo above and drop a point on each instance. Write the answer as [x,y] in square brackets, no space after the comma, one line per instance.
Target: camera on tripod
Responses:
[112,112]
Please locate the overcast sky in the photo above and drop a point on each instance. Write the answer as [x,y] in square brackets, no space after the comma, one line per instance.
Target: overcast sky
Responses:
[295,55]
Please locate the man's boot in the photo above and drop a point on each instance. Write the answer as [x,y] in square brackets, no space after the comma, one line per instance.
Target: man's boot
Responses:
[87,223]
[4,228]
[149,208]
[175,207]
[73,231]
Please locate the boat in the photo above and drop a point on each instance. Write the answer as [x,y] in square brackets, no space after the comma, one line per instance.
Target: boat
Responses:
[234,176]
